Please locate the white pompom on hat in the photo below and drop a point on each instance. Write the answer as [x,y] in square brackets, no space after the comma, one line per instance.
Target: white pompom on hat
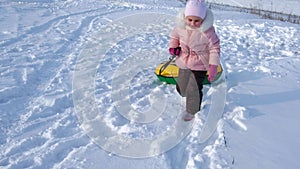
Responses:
[195,8]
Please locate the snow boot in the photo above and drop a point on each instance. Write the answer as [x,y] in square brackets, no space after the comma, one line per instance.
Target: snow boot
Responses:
[188,117]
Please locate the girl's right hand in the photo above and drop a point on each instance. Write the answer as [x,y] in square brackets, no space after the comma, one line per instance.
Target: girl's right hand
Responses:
[175,51]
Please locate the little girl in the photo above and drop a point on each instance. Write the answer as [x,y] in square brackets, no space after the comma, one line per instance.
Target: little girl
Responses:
[197,47]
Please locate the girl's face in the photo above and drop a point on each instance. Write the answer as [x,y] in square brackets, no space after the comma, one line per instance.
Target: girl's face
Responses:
[193,21]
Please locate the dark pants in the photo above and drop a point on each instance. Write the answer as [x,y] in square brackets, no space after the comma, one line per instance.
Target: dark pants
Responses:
[189,85]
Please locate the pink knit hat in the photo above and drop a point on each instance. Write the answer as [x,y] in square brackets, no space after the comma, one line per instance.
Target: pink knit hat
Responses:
[195,8]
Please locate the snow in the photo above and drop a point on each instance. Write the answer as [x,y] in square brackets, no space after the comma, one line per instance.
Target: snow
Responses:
[286,7]
[77,88]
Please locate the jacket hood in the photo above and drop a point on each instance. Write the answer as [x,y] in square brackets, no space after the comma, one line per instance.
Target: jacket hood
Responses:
[206,24]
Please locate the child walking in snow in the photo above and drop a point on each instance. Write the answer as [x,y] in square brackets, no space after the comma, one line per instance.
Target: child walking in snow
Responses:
[197,47]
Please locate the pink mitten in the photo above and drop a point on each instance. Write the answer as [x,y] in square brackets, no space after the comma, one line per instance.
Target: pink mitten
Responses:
[213,71]
[175,51]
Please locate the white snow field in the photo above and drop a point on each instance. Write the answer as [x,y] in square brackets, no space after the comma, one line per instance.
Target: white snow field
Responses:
[286,7]
[78,89]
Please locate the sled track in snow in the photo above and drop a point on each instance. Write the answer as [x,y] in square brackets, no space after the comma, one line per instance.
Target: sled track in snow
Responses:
[44,116]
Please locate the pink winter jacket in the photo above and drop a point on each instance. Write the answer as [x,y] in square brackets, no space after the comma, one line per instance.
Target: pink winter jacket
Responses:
[199,47]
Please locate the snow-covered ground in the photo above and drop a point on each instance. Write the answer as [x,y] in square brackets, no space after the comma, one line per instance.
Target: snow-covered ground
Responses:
[286,7]
[64,101]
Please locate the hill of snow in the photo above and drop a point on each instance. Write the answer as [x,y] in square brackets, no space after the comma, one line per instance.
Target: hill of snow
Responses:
[286,7]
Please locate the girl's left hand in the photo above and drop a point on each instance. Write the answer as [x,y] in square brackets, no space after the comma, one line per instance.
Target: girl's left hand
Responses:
[213,71]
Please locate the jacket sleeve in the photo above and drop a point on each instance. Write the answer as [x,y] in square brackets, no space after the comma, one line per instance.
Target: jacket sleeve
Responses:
[214,46]
[174,39]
